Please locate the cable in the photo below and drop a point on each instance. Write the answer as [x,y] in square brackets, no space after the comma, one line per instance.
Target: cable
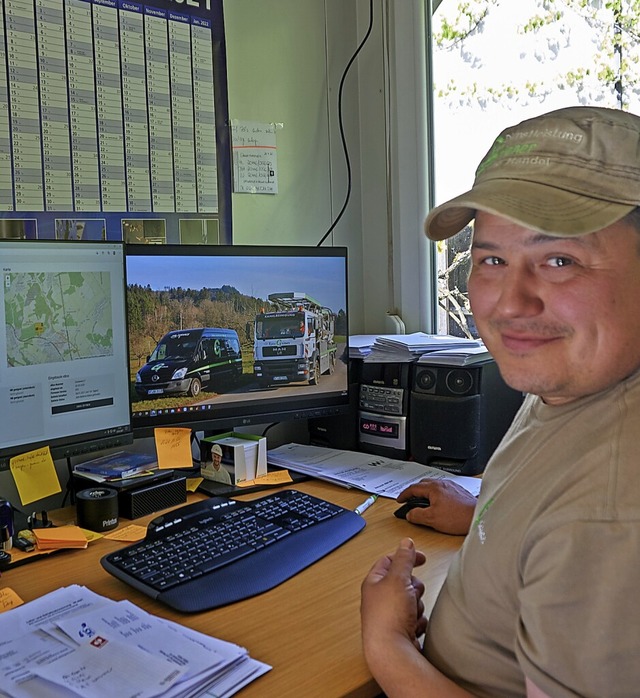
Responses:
[342,136]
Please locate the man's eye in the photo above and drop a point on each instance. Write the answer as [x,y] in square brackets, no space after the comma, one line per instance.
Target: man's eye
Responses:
[492,261]
[559,261]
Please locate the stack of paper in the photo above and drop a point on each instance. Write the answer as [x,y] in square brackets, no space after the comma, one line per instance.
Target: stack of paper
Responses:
[73,642]
[409,347]
[460,356]
[58,537]
[360,345]
[379,475]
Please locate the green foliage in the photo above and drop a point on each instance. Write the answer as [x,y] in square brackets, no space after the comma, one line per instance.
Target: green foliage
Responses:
[615,25]
[468,19]
[536,22]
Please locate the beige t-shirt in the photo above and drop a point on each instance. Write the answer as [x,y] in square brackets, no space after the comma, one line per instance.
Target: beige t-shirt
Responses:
[547,584]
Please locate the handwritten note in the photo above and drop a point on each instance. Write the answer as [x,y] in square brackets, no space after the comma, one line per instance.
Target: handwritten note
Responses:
[131,533]
[173,447]
[9,599]
[277,477]
[255,163]
[35,475]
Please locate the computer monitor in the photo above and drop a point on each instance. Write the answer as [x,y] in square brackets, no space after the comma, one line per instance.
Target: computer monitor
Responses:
[228,336]
[63,350]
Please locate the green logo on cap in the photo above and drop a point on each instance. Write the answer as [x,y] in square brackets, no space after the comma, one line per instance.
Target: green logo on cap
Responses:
[500,150]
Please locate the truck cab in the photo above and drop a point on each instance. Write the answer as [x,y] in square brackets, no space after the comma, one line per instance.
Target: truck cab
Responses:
[295,343]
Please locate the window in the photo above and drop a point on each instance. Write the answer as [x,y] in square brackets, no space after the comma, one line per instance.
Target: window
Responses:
[496,63]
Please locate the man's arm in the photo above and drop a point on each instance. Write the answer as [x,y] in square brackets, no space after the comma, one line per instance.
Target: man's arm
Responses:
[392,621]
[451,506]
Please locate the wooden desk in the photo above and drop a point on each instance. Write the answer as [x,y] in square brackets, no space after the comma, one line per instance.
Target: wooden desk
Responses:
[307,629]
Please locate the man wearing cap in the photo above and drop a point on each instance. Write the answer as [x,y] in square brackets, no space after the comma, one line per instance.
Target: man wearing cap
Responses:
[542,599]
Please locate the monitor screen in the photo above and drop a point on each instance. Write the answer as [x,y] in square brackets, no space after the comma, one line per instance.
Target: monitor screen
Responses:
[63,351]
[227,336]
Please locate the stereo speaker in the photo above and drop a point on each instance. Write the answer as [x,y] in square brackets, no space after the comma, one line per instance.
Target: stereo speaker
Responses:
[140,501]
[459,414]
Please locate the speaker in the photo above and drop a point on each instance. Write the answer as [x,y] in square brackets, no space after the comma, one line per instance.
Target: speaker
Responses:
[459,414]
[140,501]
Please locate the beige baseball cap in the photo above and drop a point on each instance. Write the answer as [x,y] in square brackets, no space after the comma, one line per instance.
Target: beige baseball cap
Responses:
[568,172]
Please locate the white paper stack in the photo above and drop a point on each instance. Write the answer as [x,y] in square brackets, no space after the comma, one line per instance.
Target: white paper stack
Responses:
[461,356]
[409,347]
[360,345]
[73,642]
[386,477]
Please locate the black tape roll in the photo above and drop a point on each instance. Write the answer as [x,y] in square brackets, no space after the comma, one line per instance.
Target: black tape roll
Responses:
[97,509]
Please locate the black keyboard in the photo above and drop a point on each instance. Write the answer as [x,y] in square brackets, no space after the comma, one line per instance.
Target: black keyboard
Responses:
[219,550]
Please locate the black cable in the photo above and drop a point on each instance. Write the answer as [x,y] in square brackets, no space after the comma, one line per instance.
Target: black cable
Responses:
[342,136]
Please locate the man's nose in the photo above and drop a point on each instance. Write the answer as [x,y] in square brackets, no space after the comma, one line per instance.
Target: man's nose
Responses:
[519,294]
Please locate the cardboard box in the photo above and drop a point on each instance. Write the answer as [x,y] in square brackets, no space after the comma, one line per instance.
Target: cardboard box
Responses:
[243,457]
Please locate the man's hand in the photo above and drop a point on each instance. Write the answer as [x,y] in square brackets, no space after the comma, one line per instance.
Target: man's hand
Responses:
[392,599]
[450,510]
[392,621]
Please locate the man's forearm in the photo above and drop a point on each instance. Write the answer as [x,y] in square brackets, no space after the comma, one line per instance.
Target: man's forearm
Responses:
[402,671]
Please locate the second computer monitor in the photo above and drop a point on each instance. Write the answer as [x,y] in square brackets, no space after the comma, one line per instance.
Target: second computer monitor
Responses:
[225,336]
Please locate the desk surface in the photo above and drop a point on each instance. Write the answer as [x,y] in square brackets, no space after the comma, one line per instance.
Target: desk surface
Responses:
[307,629]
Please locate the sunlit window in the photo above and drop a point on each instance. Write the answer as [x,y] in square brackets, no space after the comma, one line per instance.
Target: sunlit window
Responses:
[497,62]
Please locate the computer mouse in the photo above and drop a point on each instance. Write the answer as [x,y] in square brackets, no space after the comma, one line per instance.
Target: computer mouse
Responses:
[410,504]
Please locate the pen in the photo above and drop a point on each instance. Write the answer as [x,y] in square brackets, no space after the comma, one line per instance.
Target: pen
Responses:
[366,504]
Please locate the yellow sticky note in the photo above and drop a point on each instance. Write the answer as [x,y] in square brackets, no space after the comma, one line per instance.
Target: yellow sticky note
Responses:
[277,477]
[173,447]
[9,599]
[35,475]
[91,535]
[193,483]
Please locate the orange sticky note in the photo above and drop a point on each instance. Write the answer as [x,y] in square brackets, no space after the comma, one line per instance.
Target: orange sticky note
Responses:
[60,537]
[131,533]
[9,599]
[277,477]
[173,447]
[35,475]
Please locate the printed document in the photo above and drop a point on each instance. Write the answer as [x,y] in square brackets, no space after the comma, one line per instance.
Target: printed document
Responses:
[379,475]
[73,643]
